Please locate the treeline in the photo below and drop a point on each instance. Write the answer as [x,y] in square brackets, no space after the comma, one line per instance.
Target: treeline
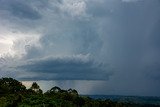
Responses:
[14,94]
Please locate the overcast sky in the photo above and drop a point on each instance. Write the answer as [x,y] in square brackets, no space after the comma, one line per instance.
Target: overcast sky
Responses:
[95,46]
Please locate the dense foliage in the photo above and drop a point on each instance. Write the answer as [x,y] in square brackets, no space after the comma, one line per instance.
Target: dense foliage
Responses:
[14,94]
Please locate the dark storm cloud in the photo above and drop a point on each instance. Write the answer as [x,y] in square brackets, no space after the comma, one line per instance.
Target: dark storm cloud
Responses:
[67,68]
[122,33]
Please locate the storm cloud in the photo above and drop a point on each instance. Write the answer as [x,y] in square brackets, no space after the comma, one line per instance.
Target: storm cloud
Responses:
[79,67]
[112,44]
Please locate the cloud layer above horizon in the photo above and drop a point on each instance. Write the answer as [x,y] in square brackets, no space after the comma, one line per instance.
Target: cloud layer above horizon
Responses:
[114,41]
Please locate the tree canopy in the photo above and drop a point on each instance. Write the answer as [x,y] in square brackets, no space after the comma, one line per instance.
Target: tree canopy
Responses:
[14,94]
[10,85]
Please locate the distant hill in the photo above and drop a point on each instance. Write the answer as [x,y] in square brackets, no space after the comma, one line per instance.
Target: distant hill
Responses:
[129,99]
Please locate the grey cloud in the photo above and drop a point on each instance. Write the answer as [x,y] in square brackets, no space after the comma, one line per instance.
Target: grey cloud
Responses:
[154,40]
[66,68]
[101,9]
[24,11]
[152,71]
[69,36]
[20,9]
[123,34]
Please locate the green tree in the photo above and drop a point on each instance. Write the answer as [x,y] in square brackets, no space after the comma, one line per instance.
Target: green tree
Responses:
[10,85]
[55,90]
[72,91]
[36,88]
